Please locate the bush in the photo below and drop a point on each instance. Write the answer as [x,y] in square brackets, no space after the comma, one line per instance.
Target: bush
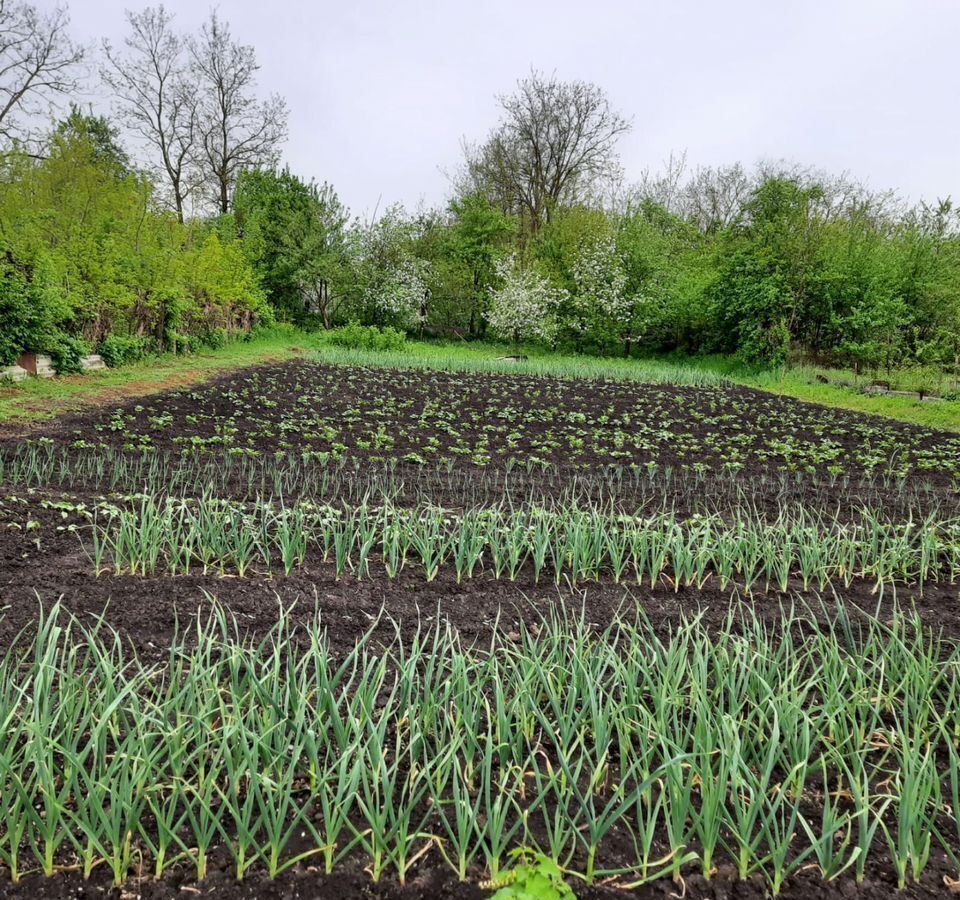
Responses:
[177,342]
[214,338]
[29,308]
[118,350]
[67,352]
[367,337]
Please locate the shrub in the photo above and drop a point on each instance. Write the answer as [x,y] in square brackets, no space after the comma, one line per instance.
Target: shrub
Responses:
[367,337]
[178,342]
[120,350]
[30,307]
[214,338]
[67,352]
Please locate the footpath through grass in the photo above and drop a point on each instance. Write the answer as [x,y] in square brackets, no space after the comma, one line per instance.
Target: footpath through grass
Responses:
[40,399]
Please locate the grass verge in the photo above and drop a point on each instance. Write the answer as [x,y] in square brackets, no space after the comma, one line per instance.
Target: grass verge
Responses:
[40,399]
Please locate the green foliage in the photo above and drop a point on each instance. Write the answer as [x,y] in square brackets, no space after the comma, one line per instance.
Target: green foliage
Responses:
[292,233]
[30,307]
[67,352]
[367,337]
[84,251]
[119,350]
[537,877]
[389,283]
[476,239]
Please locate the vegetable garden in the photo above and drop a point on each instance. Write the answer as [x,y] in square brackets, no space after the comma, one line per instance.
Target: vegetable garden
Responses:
[342,630]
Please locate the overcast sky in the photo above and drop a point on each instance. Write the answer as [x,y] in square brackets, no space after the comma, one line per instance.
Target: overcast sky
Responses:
[382,93]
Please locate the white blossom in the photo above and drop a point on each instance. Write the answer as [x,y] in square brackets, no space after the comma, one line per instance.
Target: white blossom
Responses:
[403,292]
[602,287]
[524,306]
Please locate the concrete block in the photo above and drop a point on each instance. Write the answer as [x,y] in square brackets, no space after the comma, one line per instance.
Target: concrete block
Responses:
[37,364]
[13,373]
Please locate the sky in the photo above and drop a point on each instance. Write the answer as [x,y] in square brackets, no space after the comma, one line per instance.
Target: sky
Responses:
[382,94]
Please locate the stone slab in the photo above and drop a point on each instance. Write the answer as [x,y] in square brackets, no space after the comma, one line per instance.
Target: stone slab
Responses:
[13,373]
[92,363]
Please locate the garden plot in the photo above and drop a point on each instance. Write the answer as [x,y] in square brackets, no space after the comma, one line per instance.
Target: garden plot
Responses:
[420,417]
[348,631]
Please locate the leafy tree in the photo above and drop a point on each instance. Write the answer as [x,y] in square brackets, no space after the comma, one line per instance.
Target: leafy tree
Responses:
[293,232]
[102,136]
[668,264]
[556,251]
[389,282]
[603,296]
[478,237]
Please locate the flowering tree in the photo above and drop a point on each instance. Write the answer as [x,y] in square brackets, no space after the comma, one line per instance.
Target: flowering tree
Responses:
[403,294]
[392,282]
[524,306]
[602,298]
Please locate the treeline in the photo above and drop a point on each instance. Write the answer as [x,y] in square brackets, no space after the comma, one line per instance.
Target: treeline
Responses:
[127,250]
[199,233]
[541,241]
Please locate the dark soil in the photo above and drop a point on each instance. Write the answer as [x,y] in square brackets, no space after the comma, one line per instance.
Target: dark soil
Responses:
[431,880]
[481,419]
[42,561]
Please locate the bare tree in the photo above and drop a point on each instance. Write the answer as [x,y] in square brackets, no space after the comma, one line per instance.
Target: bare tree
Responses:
[556,142]
[714,198]
[663,187]
[155,96]
[236,129]
[38,61]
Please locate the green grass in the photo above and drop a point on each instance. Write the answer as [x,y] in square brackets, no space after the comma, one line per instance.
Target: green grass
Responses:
[489,357]
[41,399]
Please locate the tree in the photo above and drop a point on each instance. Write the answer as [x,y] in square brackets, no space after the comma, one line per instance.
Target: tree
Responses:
[668,262]
[556,142]
[476,240]
[236,130]
[603,296]
[390,283]
[524,305]
[101,136]
[156,98]
[38,62]
[293,232]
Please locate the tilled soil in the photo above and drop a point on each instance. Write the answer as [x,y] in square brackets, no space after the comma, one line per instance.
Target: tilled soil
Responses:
[149,611]
[42,562]
[45,563]
[431,880]
[476,420]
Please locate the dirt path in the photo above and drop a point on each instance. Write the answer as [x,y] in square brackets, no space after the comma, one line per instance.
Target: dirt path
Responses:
[28,407]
